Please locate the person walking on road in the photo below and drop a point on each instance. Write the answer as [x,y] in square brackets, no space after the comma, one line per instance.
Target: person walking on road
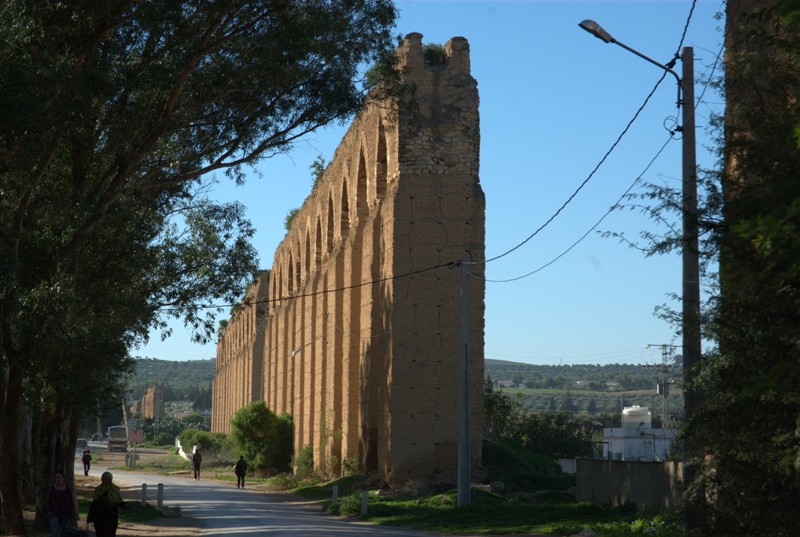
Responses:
[240,470]
[60,505]
[104,511]
[197,459]
[87,460]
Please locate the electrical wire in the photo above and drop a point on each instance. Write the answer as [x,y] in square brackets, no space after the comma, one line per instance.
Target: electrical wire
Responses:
[460,263]
[574,244]
[608,153]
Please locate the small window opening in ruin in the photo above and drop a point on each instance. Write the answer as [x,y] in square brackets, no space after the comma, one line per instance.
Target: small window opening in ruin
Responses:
[433,54]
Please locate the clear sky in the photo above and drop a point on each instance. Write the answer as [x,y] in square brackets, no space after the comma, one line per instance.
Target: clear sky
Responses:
[553,102]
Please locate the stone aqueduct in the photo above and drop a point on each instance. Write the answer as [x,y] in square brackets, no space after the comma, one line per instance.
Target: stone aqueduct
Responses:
[356,329]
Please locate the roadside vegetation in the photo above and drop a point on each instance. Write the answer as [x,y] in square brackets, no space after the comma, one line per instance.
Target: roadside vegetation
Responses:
[522,489]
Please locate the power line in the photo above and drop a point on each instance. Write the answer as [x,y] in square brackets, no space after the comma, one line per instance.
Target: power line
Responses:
[574,244]
[459,263]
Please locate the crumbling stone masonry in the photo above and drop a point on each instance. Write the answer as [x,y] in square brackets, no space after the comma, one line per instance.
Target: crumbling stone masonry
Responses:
[359,334]
[151,405]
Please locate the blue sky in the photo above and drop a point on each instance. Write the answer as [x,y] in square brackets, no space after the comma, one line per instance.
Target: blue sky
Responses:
[553,100]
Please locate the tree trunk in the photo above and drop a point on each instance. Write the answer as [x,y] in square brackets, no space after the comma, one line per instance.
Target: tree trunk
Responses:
[28,482]
[10,482]
[45,464]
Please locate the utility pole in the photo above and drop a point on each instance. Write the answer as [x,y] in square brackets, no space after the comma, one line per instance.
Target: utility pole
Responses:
[663,380]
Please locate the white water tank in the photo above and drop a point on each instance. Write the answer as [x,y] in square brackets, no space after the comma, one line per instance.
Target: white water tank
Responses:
[636,416]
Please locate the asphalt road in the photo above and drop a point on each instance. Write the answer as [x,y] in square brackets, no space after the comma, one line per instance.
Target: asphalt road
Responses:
[222,509]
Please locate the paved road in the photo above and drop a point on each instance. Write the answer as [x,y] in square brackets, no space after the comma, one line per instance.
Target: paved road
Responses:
[222,509]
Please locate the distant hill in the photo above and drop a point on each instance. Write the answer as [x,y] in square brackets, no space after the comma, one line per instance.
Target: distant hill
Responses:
[628,376]
[183,381]
[585,389]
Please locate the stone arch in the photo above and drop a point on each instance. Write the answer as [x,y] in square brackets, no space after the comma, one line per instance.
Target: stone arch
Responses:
[290,276]
[318,245]
[344,215]
[353,361]
[381,165]
[330,234]
[307,256]
[276,287]
[362,202]
[298,268]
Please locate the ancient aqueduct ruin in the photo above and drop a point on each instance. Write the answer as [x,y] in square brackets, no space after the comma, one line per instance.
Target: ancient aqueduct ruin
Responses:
[355,331]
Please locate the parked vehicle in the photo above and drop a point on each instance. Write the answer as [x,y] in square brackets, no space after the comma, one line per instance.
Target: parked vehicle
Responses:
[117,438]
[97,437]
[81,444]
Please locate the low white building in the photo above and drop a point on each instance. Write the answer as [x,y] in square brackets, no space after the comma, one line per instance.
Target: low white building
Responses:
[637,440]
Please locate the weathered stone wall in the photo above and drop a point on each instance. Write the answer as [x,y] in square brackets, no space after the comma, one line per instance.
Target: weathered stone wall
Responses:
[151,405]
[362,341]
[238,379]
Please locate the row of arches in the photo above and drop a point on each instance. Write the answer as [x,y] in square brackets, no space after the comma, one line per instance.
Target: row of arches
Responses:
[342,200]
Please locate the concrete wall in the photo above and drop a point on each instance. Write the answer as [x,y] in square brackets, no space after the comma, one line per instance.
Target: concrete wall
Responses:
[653,486]
[361,339]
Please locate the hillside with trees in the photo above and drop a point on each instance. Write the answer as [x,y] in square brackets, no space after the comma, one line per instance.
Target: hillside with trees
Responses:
[597,392]
[182,381]
[594,392]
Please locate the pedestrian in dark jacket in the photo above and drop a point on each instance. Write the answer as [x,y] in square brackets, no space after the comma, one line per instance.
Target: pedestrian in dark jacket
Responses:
[61,505]
[87,461]
[240,470]
[197,459]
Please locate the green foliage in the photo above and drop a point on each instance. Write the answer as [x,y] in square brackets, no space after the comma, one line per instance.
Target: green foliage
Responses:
[509,461]
[110,120]
[433,54]
[265,440]
[182,380]
[164,439]
[553,435]
[349,466]
[211,445]
[303,463]
[743,437]
[745,429]
[581,390]
[348,505]
[289,218]
[576,377]
[317,171]
[493,514]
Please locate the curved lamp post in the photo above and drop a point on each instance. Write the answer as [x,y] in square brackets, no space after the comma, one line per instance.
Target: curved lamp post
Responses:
[690,321]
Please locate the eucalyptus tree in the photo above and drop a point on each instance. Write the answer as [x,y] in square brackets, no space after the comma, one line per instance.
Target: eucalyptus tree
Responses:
[748,421]
[112,114]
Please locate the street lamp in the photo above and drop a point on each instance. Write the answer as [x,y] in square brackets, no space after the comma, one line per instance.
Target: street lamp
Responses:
[690,320]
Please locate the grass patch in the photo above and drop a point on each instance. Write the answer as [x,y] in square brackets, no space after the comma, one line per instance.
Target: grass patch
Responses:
[536,499]
[495,514]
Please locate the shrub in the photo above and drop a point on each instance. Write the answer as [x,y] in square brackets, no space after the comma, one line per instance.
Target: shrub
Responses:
[210,444]
[164,439]
[266,440]
[304,462]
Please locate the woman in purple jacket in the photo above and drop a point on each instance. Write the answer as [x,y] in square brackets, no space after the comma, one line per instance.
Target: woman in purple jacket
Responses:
[61,505]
